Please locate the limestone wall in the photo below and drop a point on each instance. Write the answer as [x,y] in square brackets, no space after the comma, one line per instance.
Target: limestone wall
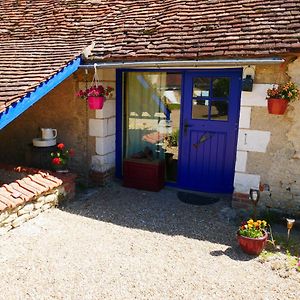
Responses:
[59,109]
[101,127]
[269,145]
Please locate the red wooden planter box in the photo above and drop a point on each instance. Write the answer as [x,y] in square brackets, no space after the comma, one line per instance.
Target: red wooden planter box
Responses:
[144,174]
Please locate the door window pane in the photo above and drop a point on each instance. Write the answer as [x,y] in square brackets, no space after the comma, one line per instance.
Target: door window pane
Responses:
[200,109]
[220,87]
[201,87]
[219,110]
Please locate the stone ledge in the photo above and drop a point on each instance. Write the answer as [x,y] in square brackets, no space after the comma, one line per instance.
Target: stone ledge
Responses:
[25,198]
[14,217]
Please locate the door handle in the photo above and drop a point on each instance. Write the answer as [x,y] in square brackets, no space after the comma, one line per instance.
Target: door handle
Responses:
[186,126]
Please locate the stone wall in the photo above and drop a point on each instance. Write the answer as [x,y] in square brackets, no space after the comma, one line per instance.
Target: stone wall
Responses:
[269,147]
[25,198]
[59,109]
[102,127]
[10,219]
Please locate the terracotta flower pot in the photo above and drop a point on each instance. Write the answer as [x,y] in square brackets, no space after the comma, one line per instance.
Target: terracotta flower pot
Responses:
[252,246]
[95,102]
[277,106]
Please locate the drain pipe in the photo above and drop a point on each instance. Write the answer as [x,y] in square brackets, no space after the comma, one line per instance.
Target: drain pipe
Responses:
[187,63]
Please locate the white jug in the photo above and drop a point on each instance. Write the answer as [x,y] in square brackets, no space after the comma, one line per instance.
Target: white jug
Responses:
[48,133]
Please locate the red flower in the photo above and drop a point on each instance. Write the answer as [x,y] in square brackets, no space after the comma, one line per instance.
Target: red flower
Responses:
[71,152]
[56,161]
[61,146]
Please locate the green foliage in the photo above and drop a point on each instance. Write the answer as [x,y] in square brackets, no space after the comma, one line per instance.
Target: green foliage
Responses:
[172,139]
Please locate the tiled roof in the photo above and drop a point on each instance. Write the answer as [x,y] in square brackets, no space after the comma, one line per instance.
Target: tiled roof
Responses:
[189,29]
[38,38]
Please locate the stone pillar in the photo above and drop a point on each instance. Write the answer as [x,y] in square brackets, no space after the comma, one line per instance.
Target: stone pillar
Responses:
[103,128]
[249,140]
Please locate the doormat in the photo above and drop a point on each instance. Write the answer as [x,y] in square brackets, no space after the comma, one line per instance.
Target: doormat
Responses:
[196,199]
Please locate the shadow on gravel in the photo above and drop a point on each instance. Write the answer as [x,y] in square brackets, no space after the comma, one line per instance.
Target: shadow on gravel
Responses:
[233,253]
[160,212]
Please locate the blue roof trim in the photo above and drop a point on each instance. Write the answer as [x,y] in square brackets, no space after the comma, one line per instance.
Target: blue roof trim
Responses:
[17,108]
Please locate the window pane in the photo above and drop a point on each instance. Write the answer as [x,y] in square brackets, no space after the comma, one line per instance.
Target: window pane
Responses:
[219,110]
[201,87]
[152,116]
[221,87]
[200,109]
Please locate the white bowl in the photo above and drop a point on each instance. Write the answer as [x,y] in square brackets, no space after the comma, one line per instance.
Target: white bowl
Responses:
[38,142]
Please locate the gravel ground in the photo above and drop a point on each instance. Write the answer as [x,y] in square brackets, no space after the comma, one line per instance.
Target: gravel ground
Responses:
[118,243]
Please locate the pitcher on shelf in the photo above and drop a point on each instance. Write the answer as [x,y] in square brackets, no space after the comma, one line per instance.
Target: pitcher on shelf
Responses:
[48,133]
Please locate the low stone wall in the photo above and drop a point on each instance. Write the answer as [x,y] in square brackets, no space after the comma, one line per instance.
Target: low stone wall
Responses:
[10,219]
[26,198]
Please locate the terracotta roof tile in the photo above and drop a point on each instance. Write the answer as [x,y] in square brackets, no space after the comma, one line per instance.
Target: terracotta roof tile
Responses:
[24,193]
[6,198]
[38,38]
[26,189]
[38,178]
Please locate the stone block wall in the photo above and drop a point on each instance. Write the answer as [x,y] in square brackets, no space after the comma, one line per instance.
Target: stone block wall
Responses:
[60,109]
[13,218]
[249,138]
[26,198]
[268,146]
[102,127]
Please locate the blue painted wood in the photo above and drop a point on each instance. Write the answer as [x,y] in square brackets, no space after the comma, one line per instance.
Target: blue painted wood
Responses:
[17,108]
[208,147]
[119,124]
[219,158]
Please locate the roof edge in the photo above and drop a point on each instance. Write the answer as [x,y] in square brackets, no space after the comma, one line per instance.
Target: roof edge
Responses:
[21,105]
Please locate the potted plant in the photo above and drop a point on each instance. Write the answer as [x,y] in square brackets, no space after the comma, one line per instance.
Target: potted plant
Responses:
[95,95]
[61,157]
[252,236]
[279,97]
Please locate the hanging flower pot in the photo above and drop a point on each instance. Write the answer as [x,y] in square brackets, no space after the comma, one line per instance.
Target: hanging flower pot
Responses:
[96,93]
[277,106]
[95,102]
[279,97]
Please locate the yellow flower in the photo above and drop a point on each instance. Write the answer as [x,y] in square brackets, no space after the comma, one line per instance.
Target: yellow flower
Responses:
[250,221]
[255,224]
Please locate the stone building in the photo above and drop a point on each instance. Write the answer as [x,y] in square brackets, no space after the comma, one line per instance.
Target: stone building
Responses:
[177,69]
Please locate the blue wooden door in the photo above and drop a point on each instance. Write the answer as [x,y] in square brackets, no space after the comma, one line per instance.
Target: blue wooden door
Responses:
[209,130]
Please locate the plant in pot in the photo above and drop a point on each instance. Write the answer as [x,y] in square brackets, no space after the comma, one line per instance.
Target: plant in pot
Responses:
[279,97]
[61,157]
[171,142]
[95,95]
[252,236]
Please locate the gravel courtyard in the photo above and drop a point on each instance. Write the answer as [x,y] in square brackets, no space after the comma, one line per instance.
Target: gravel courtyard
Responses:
[118,243]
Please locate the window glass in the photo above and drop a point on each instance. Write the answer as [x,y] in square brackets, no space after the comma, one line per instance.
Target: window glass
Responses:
[220,87]
[219,110]
[201,87]
[152,118]
[200,109]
